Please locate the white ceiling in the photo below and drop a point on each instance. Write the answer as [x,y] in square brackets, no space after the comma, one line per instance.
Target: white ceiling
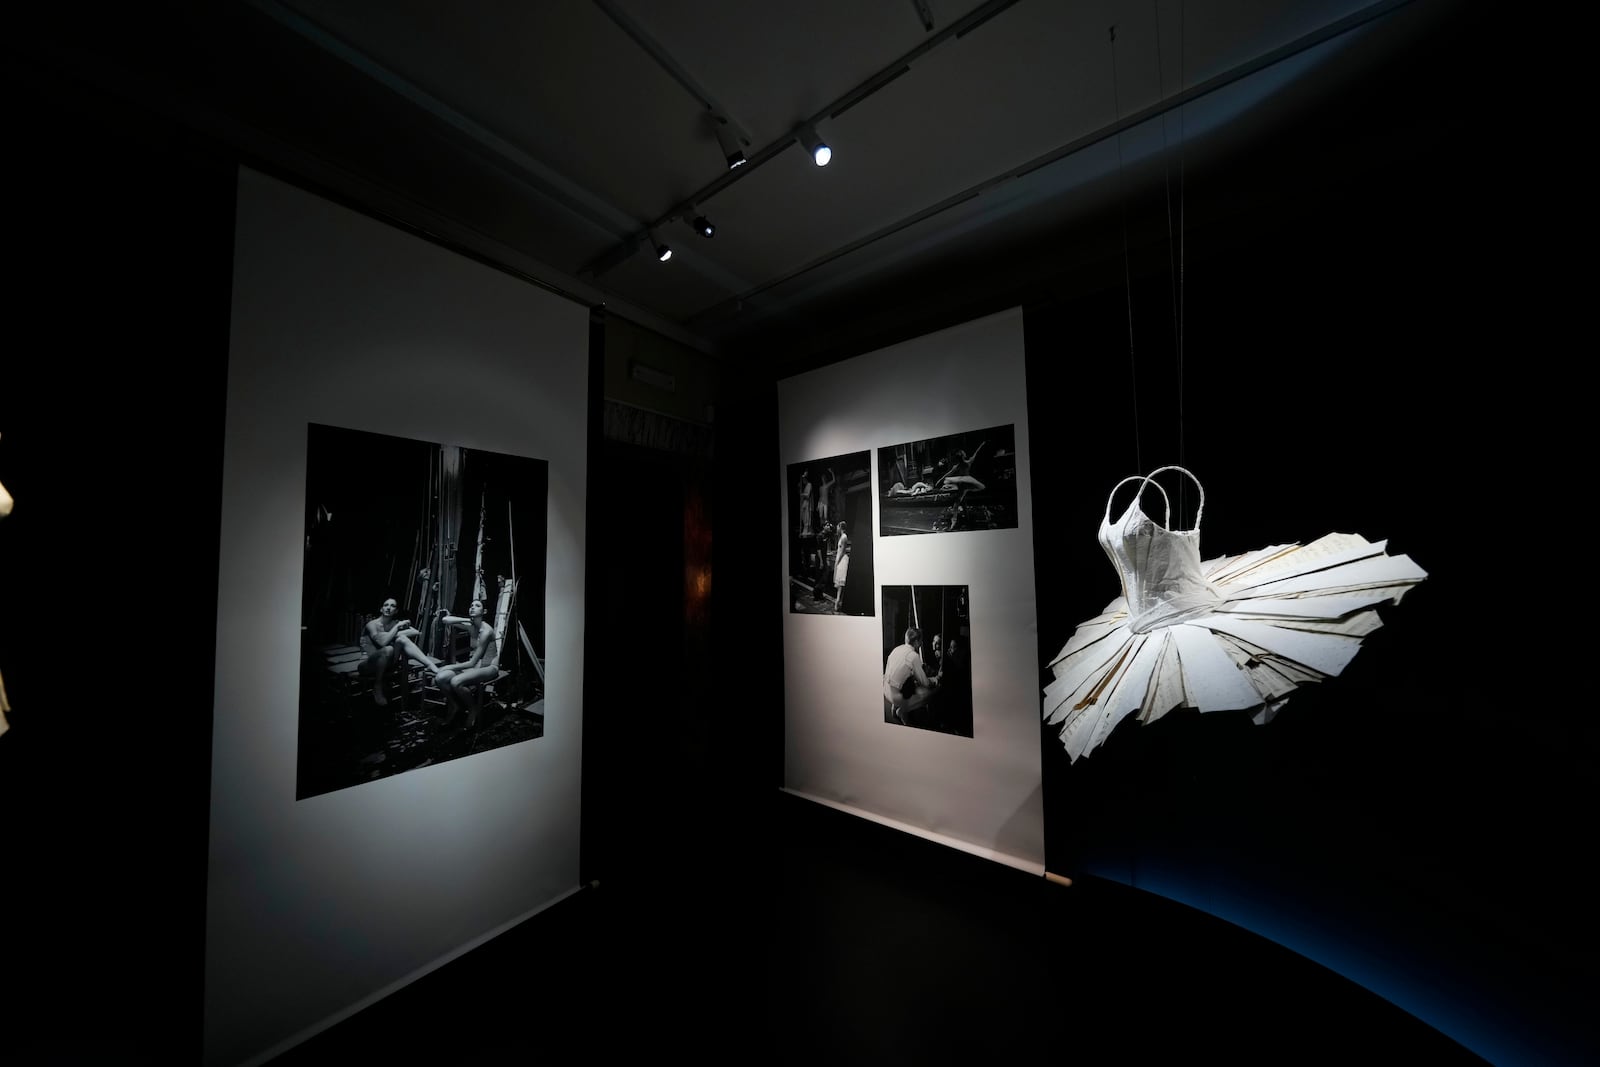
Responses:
[552,136]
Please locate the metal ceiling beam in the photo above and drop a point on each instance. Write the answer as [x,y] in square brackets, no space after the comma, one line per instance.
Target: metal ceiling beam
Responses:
[669,63]
[577,200]
[542,180]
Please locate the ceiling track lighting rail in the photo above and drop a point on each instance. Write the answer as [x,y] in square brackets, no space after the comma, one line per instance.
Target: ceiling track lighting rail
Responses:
[662,57]
[730,135]
[1156,110]
[959,28]
[866,89]
[966,24]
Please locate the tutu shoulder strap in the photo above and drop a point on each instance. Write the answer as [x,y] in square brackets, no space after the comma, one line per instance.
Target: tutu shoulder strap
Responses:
[1149,479]
[1145,479]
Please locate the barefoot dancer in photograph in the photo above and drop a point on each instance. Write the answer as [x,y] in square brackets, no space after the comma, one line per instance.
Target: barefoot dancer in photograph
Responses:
[960,477]
[906,686]
[461,683]
[387,636]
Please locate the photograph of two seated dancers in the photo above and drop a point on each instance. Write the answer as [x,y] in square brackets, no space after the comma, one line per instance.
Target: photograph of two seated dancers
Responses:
[423,605]
[927,680]
[459,684]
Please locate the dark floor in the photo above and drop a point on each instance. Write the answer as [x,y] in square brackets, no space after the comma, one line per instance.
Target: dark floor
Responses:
[833,940]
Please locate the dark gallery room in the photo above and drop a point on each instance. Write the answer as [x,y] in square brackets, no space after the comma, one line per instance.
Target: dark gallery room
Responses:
[625,529]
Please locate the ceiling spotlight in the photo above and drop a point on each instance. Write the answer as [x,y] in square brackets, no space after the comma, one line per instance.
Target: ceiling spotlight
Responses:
[704,226]
[820,152]
[732,150]
[663,252]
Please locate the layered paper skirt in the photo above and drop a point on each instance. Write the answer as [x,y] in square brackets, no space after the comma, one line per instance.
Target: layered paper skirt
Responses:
[1290,614]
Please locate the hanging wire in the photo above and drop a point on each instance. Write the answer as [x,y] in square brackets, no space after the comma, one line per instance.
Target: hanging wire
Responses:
[1183,156]
[1161,93]
[1127,277]
[1174,247]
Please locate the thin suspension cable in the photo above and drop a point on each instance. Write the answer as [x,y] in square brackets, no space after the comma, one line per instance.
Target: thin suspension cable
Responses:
[1174,247]
[1127,277]
[1183,155]
[1166,168]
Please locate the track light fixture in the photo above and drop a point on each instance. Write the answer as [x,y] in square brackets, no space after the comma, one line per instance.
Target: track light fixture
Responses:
[732,150]
[820,152]
[704,226]
[663,251]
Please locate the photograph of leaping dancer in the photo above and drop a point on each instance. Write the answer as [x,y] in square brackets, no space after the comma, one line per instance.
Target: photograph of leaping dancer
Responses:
[422,629]
[962,481]
[927,683]
[830,535]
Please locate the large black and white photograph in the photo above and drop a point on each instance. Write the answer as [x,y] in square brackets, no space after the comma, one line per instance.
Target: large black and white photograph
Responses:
[830,535]
[962,481]
[422,630]
[927,663]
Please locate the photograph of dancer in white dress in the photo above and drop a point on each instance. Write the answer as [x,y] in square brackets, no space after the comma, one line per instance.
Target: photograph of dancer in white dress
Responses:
[927,676]
[830,535]
[422,628]
[962,481]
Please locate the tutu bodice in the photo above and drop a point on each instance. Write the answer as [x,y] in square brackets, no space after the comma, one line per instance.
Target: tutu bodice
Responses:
[1160,568]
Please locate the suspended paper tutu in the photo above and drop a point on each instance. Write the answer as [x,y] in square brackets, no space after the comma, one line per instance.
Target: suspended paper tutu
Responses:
[1225,634]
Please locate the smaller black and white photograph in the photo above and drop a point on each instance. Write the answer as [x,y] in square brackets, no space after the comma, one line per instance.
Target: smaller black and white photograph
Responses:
[927,663]
[830,535]
[962,481]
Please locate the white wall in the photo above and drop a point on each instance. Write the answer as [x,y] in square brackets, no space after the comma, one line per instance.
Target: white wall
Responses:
[981,793]
[316,906]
